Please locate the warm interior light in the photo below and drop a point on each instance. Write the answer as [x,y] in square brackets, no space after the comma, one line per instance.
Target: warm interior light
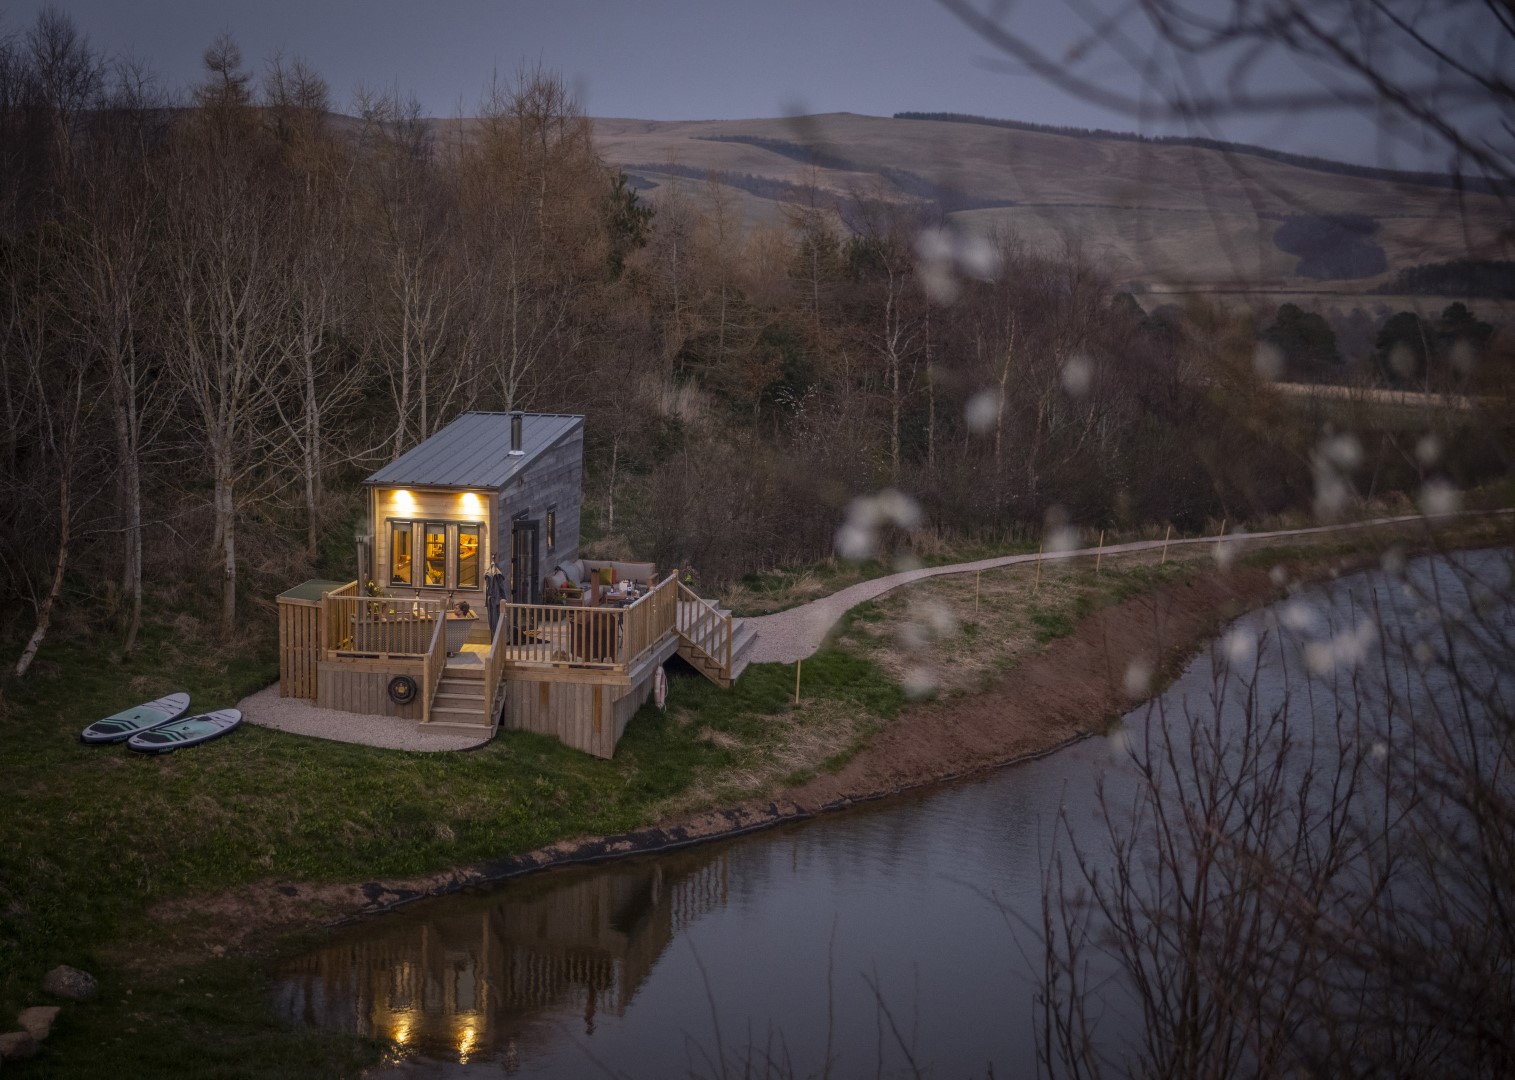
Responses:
[466,1042]
[471,503]
[401,1033]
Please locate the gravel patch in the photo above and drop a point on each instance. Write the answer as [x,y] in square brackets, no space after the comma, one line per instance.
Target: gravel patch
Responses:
[299,717]
[787,637]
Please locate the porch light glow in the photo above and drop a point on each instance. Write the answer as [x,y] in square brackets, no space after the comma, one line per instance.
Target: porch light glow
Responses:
[404,501]
[470,502]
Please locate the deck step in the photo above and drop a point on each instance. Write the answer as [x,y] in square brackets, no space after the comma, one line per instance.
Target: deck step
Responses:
[446,714]
[458,725]
[743,634]
[470,687]
[459,701]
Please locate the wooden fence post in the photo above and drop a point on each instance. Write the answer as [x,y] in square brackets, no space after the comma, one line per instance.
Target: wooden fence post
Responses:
[1166,535]
[797,665]
[1037,583]
[976,575]
[1099,556]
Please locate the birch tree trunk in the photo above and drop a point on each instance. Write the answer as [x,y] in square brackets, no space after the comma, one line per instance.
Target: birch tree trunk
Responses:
[45,609]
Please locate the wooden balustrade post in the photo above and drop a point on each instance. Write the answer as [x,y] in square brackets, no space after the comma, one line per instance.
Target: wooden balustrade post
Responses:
[1166,535]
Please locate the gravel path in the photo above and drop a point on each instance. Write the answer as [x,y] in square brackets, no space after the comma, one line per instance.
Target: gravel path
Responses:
[299,717]
[789,636]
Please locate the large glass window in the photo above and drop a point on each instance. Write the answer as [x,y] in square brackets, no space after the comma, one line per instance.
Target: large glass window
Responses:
[468,556]
[436,555]
[400,562]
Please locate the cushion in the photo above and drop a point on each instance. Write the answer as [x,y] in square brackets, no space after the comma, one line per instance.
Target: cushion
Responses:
[635,571]
[574,569]
[558,578]
[607,575]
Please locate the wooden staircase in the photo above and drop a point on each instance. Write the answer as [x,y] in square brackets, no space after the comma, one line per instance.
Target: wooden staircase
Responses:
[459,701]
[714,643]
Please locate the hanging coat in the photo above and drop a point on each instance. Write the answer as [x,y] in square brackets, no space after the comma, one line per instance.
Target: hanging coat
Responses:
[496,587]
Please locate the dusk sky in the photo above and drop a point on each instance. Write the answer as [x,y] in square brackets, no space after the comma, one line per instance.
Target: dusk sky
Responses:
[666,59]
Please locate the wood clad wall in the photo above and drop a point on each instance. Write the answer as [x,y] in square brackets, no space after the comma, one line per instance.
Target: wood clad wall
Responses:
[299,648]
[587,716]
[363,687]
[554,478]
[445,505]
[635,698]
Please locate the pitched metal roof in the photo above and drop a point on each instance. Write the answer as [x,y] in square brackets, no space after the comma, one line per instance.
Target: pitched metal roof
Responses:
[474,451]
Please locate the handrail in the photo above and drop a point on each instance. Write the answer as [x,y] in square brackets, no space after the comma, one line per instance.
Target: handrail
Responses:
[704,627]
[493,664]
[650,617]
[432,667]
[350,589]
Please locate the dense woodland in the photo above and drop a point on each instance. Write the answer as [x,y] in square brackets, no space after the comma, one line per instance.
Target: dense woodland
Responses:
[219,310]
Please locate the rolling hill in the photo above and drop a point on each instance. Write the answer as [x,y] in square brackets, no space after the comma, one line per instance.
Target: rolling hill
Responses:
[1170,217]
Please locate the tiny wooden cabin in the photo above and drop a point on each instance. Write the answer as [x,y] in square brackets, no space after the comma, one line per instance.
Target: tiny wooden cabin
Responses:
[486,511]
[488,490]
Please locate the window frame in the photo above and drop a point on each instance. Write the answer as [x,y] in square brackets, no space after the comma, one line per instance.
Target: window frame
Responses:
[416,531]
[456,555]
[410,532]
[550,529]
[426,530]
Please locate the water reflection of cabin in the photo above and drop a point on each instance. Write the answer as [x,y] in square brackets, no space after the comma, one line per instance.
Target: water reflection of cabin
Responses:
[469,977]
[485,511]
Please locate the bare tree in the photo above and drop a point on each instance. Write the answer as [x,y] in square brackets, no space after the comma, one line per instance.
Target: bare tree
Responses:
[321,248]
[1319,887]
[882,257]
[226,289]
[533,188]
[415,296]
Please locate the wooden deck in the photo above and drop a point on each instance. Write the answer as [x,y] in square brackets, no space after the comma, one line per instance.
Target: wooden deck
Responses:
[577,673]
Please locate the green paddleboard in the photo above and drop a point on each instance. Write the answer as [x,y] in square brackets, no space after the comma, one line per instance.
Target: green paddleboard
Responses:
[191,731]
[126,723]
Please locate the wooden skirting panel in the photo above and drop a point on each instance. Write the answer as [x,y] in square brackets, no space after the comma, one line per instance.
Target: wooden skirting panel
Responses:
[586,716]
[299,648]
[360,688]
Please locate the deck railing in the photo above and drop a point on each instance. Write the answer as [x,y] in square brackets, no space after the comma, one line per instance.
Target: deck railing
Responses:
[597,637]
[432,668]
[704,627]
[553,633]
[494,664]
[379,626]
[650,618]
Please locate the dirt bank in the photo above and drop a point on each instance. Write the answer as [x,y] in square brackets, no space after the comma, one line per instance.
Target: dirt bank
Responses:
[1075,686]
